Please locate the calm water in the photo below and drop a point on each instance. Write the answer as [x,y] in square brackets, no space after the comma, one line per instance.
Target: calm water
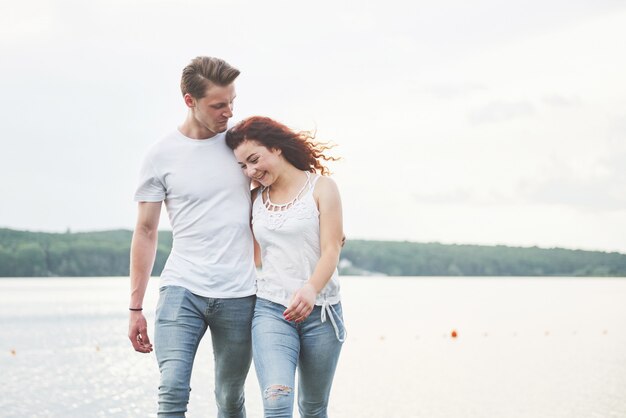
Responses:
[526,347]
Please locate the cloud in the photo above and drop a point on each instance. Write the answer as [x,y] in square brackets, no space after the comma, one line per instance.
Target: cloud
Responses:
[586,196]
[615,166]
[500,111]
[22,28]
[450,91]
[617,132]
[601,193]
[452,197]
[464,196]
[557,100]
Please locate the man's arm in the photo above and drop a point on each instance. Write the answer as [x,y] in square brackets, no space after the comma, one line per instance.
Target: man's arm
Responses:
[257,248]
[142,255]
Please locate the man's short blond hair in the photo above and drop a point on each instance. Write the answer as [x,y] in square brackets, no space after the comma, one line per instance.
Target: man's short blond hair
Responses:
[202,71]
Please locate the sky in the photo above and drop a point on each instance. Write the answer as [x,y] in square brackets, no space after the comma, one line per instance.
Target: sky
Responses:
[483,122]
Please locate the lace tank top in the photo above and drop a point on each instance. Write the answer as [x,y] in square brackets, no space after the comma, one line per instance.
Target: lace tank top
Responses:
[289,237]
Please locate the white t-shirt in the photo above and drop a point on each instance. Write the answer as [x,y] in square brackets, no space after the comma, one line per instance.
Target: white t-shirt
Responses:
[207,198]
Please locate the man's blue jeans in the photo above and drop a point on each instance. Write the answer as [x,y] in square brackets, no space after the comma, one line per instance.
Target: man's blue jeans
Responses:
[280,346]
[182,318]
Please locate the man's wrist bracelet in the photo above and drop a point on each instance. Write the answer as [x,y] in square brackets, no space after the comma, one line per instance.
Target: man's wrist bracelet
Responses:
[135,309]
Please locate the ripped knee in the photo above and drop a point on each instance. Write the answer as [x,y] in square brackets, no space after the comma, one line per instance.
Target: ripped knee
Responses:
[274,392]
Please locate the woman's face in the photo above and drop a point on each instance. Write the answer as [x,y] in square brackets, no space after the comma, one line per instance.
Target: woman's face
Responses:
[258,162]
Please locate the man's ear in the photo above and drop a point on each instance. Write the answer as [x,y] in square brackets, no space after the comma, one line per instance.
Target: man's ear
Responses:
[190,101]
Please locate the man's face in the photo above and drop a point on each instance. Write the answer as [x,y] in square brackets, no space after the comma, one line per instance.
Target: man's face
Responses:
[213,110]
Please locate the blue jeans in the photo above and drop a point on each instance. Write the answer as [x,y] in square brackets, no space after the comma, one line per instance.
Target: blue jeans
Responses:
[182,318]
[280,346]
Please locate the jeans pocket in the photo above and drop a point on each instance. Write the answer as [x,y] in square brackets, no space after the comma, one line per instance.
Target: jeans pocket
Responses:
[171,299]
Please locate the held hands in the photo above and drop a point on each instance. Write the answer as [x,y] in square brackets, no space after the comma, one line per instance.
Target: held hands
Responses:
[138,333]
[301,304]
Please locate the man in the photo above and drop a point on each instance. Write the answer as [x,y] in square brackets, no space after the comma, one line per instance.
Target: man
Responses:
[209,278]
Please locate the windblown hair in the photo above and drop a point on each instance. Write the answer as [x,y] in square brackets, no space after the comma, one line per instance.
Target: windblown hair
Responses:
[202,71]
[298,148]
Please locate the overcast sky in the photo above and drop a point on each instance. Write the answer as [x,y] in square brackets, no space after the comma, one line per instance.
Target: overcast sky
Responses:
[488,122]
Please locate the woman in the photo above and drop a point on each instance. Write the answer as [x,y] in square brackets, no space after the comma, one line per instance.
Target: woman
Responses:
[297,224]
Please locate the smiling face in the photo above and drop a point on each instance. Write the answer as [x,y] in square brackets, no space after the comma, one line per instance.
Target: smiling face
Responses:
[258,162]
[211,112]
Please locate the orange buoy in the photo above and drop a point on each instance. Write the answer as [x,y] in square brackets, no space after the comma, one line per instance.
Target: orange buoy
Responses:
[454,334]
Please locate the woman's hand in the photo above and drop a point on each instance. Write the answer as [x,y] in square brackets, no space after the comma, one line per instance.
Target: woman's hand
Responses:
[302,304]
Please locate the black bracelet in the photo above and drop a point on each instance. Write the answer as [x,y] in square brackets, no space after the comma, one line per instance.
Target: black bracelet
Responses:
[135,309]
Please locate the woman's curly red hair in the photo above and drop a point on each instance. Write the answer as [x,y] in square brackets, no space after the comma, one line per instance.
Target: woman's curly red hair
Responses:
[298,148]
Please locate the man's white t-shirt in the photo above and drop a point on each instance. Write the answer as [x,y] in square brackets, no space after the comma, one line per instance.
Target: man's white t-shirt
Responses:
[207,197]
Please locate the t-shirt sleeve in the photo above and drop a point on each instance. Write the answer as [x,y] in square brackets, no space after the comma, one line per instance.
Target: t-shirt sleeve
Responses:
[151,187]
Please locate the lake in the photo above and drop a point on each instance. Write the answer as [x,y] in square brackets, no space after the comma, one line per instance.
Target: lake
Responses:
[524,347]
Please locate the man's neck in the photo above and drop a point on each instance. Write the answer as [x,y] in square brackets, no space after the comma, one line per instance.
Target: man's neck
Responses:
[192,129]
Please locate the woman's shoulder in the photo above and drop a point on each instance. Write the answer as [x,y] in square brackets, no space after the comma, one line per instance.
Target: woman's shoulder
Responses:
[324,182]
[325,186]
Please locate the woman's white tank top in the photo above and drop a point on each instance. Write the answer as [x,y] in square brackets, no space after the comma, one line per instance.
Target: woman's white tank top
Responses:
[289,237]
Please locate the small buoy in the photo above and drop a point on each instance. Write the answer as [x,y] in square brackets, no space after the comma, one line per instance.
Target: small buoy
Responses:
[454,334]
[13,352]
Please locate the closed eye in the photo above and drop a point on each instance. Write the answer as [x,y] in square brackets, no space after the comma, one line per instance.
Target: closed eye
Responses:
[218,106]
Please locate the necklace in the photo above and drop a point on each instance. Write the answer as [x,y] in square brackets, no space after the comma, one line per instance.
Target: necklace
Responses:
[273,207]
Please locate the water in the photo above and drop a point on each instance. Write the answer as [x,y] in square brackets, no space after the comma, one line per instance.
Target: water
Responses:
[525,347]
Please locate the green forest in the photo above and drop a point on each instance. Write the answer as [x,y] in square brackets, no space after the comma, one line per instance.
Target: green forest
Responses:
[106,253]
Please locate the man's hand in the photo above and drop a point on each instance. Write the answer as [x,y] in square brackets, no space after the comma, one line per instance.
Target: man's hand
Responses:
[138,332]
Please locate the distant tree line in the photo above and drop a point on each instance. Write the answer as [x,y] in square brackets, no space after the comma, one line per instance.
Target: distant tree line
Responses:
[106,253]
[396,258]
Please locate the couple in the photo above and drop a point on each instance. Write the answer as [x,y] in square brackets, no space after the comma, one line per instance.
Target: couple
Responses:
[290,315]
